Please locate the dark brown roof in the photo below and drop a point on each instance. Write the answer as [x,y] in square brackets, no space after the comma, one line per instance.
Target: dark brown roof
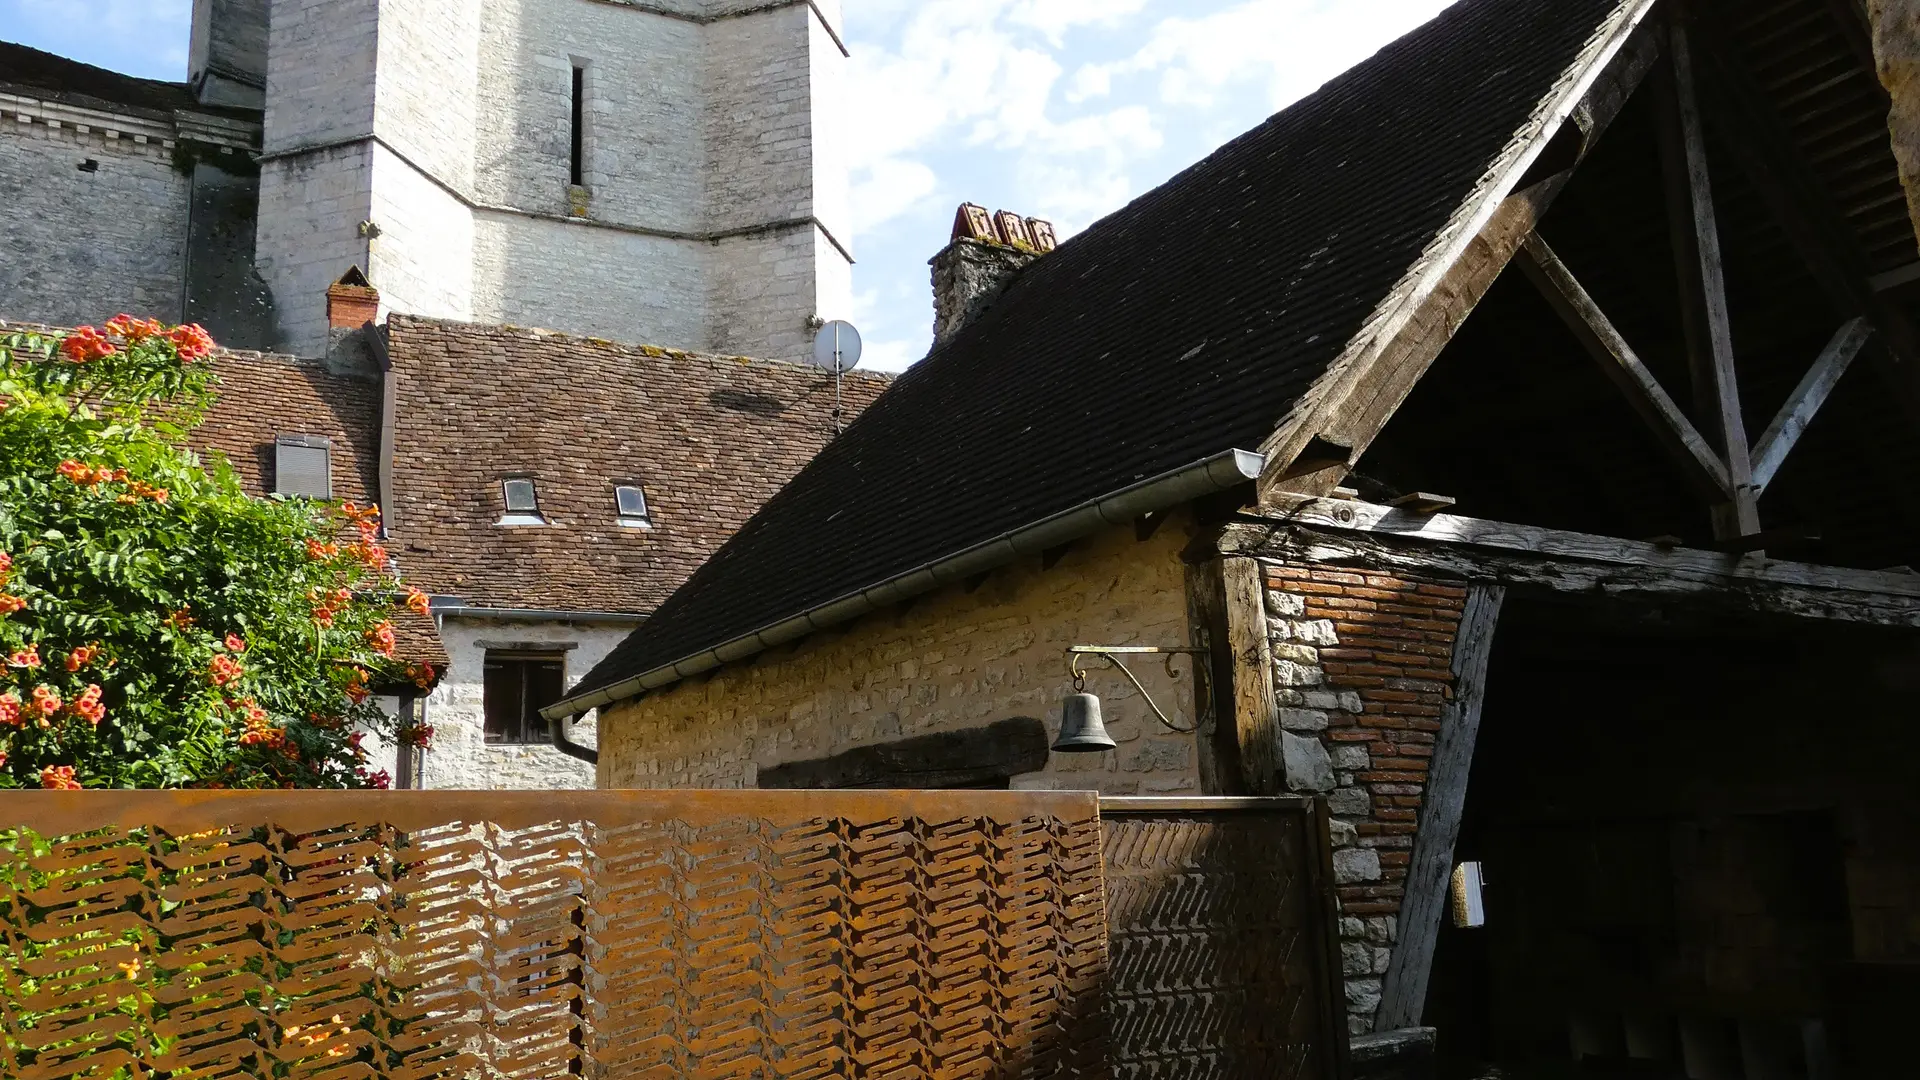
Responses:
[60,79]
[263,396]
[1186,324]
[708,438]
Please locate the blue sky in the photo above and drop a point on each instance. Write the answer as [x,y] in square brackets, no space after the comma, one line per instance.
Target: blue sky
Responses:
[1062,109]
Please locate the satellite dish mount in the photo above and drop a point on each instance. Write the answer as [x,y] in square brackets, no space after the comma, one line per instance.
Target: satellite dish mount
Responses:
[837,348]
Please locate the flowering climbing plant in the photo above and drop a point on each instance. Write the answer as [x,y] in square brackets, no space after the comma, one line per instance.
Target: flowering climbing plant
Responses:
[159,627]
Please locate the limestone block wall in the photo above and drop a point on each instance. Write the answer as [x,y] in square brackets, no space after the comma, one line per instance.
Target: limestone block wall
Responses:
[759,129]
[761,289]
[644,108]
[81,246]
[311,207]
[1362,672]
[227,51]
[460,758]
[316,177]
[427,55]
[954,660]
[526,272]
[417,216]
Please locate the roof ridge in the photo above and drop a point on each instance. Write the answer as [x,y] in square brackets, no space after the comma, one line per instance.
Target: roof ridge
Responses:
[652,351]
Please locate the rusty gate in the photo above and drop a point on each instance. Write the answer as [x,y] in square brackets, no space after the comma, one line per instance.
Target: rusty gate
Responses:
[1222,946]
[426,935]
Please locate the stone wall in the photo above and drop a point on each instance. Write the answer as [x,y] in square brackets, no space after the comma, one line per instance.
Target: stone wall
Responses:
[80,246]
[1896,46]
[954,660]
[227,51]
[417,216]
[1362,670]
[460,758]
[311,207]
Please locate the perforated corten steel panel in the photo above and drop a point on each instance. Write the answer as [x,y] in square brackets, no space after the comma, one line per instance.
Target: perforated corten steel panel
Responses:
[607,934]
[1218,933]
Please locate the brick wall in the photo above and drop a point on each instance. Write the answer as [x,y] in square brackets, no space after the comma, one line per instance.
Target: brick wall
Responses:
[1362,672]
[956,659]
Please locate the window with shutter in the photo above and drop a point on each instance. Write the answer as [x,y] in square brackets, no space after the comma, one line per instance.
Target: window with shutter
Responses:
[303,466]
[515,687]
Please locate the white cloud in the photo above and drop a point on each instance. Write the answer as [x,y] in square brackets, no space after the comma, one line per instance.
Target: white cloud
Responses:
[1290,47]
[1053,18]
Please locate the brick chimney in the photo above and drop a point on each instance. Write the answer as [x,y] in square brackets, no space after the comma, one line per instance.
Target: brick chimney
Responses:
[986,253]
[352,306]
[352,302]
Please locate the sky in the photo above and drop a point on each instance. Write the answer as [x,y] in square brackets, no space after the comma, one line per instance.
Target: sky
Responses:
[1058,109]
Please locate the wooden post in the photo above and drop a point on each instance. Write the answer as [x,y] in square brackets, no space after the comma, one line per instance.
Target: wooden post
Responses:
[1256,720]
[1404,994]
[1216,747]
[1703,278]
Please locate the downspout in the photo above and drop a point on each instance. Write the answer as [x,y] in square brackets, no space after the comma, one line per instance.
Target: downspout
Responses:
[1205,477]
[389,412]
[558,725]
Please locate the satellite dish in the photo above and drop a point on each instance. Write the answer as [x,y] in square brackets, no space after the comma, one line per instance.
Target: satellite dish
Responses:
[838,347]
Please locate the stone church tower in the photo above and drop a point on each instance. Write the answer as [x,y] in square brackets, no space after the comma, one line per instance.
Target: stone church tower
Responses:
[667,172]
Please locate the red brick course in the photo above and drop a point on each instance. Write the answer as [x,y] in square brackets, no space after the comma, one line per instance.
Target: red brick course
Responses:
[1395,638]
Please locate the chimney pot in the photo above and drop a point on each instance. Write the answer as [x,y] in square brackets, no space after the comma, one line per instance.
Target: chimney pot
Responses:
[987,253]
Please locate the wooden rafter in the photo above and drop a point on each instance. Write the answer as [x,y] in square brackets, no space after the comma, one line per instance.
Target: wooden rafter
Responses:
[1798,202]
[1703,278]
[1357,397]
[1784,433]
[1621,364]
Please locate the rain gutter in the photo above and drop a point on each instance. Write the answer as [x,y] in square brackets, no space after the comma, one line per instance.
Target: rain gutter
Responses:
[1204,477]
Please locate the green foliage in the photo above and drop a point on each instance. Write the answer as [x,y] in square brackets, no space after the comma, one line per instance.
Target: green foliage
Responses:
[158,626]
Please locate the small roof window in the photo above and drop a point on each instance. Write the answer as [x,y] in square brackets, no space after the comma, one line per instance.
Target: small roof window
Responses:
[522,501]
[303,466]
[631,500]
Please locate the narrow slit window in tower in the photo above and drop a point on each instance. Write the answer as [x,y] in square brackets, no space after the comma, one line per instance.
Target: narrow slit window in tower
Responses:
[579,162]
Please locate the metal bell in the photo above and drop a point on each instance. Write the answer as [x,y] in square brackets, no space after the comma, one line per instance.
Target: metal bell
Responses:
[1081,729]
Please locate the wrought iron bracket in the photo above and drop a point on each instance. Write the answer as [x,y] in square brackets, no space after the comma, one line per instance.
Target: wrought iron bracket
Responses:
[1112,654]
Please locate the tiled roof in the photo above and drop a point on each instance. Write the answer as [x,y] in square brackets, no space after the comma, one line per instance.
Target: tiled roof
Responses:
[263,396]
[75,83]
[708,438]
[1186,324]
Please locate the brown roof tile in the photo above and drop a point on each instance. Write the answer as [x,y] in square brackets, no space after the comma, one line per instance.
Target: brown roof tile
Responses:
[263,396]
[708,438]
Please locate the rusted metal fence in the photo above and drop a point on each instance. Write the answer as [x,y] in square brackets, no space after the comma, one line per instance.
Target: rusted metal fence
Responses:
[1221,940]
[422,935]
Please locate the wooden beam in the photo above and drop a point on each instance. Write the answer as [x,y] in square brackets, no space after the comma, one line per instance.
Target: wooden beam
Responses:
[1851,19]
[1361,390]
[1403,996]
[1799,203]
[1621,364]
[1256,719]
[1559,562]
[1218,752]
[1710,348]
[1784,433]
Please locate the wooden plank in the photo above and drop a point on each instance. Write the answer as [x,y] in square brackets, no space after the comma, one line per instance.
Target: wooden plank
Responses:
[1712,349]
[1544,563]
[1806,400]
[1352,403]
[948,759]
[1570,547]
[1621,364]
[1799,203]
[1403,996]
[1256,720]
